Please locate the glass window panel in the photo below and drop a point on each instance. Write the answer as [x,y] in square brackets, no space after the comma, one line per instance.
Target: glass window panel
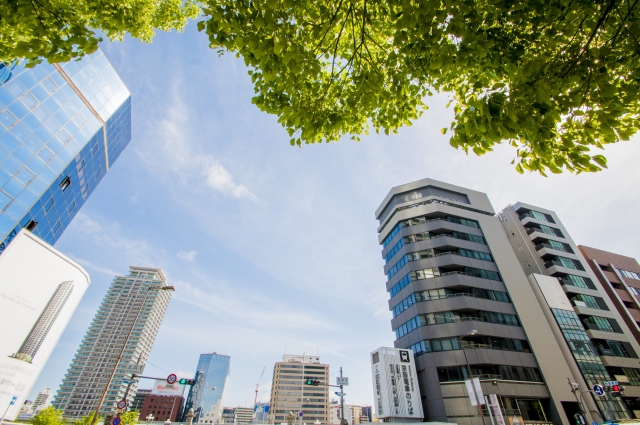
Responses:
[29,101]
[49,85]
[24,176]
[11,165]
[16,210]
[446,345]
[9,142]
[7,119]
[4,201]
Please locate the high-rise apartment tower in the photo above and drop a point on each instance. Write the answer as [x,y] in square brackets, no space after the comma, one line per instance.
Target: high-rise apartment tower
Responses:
[87,377]
[207,395]
[589,329]
[290,394]
[460,301]
[62,126]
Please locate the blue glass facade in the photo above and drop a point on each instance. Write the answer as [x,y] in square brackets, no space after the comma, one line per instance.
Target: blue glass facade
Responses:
[61,129]
[207,404]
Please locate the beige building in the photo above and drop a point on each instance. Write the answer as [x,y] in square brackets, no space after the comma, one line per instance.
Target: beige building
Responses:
[356,413]
[579,310]
[290,394]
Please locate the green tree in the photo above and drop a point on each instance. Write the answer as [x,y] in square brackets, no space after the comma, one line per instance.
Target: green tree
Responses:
[87,419]
[130,418]
[554,78]
[61,30]
[48,416]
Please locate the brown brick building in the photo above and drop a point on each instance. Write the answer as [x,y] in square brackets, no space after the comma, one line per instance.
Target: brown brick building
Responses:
[162,407]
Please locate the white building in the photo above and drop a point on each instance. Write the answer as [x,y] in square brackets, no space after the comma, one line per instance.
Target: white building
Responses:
[134,306]
[335,414]
[42,400]
[39,291]
[243,415]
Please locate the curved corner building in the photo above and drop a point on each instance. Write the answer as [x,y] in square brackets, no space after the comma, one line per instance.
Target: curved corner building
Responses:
[451,271]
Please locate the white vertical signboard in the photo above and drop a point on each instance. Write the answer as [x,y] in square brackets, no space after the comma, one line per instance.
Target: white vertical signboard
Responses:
[39,290]
[395,384]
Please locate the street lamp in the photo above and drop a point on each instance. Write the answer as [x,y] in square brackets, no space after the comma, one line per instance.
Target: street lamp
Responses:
[460,338]
[124,346]
[150,418]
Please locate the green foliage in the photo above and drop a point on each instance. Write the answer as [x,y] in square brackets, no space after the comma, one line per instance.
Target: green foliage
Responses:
[48,416]
[61,30]
[130,418]
[553,78]
[87,419]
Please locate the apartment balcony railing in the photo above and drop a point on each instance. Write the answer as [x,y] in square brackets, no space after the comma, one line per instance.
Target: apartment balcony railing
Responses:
[573,265]
[557,248]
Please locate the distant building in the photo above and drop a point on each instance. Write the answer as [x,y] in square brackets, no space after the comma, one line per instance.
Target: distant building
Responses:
[228,415]
[261,413]
[138,400]
[288,385]
[366,414]
[42,400]
[335,414]
[26,407]
[207,395]
[243,415]
[80,391]
[162,407]
[356,413]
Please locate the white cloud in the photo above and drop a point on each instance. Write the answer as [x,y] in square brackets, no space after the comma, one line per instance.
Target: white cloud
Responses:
[244,310]
[191,168]
[188,256]
[94,267]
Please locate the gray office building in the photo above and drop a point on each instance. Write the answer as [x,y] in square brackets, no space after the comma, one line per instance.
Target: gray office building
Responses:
[456,288]
[595,340]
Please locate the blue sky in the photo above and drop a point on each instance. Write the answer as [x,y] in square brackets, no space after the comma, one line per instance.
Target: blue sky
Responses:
[272,247]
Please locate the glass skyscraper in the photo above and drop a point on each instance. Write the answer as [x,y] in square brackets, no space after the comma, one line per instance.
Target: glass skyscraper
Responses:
[62,126]
[207,395]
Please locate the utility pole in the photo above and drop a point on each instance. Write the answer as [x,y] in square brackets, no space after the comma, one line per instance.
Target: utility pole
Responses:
[576,388]
[341,399]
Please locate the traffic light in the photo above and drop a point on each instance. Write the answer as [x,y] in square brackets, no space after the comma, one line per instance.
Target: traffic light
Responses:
[313,382]
[617,390]
[579,419]
[184,381]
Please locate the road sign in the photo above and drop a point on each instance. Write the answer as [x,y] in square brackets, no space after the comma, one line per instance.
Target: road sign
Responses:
[594,423]
[611,383]
[116,421]
[340,394]
[300,414]
[171,379]
[598,390]
[342,380]
[121,404]
[13,401]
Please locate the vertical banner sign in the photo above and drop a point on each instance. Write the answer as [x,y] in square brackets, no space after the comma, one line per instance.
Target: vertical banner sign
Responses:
[495,408]
[471,391]
[395,383]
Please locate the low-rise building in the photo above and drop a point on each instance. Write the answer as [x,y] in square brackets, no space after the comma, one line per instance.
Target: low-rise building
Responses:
[162,407]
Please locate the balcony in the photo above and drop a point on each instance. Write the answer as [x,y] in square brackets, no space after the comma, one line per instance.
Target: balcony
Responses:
[600,334]
[615,361]
[576,264]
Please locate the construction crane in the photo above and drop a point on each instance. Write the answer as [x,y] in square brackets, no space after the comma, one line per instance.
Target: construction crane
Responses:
[258,386]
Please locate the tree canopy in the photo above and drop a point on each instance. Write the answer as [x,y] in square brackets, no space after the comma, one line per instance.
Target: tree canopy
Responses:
[86,420]
[61,30]
[48,416]
[554,78]
[130,418]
